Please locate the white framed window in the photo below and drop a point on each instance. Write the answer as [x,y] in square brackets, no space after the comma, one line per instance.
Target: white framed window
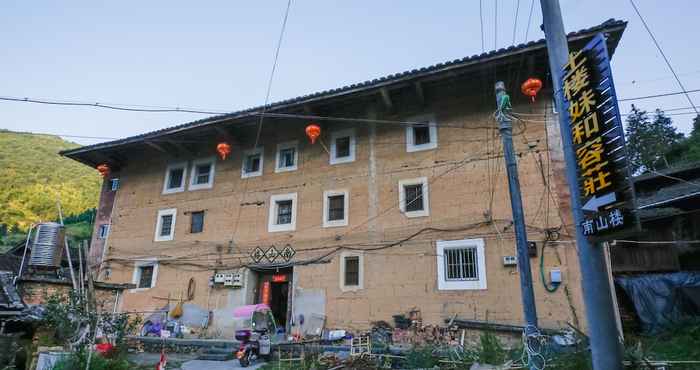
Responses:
[413,197]
[423,134]
[351,271]
[114,184]
[145,274]
[252,163]
[283,213]
[202,173]
[287,156]
[165,225]
[461,264]
[343,145]
[335,208]
[103,231]
[175,178]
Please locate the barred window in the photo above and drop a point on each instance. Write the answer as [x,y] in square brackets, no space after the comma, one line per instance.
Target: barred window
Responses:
[461,264]
[166,225]
[414,197]
[336,207]
[284,212]
[145,276]
[352,271]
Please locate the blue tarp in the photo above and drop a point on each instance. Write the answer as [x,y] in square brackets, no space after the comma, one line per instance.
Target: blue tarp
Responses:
[662,300]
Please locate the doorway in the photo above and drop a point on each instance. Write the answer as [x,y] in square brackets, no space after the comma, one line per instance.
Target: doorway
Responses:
[275,291]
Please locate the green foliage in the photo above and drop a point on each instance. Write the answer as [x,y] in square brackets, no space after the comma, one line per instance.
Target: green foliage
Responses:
[78,360]
[33,176]
[73,321]
[490,350]
[421,358]
[649,141]
[687,151]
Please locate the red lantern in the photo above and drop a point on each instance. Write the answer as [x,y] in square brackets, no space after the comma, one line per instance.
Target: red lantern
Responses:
[103,169]
[224,149]
[531,87]
[313,131]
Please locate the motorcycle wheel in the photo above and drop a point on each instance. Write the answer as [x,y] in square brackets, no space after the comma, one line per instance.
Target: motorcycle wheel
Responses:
[245,360]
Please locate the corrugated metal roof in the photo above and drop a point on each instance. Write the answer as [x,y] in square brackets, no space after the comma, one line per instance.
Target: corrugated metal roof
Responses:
[348,89]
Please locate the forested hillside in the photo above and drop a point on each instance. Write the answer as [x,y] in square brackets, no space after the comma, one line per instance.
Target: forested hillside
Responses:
[33,176]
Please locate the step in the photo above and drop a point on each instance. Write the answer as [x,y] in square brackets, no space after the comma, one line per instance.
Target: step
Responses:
[216,356]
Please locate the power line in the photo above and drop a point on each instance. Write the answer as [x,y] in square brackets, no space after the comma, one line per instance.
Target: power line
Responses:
[481,17]
[272,73]
[515,25]
[686,92]
[668,63]
[55,134]
[108,106]
[529,19]
[495,26]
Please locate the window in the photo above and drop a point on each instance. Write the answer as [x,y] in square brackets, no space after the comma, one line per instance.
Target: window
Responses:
[145,273]
[413,197]
[103,231]
[197,222]
[287,156]
[252,163]
[175,178]
[115,184]
[422,135]
[351,271]
[343,146]
[461,264]
[202,176]
[283,209]
[335,208]
[165,225]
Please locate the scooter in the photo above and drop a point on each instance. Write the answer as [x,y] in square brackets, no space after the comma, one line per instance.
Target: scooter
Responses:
[254,344]
[257,324]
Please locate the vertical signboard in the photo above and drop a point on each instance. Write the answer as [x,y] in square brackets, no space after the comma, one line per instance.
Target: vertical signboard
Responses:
[598,138]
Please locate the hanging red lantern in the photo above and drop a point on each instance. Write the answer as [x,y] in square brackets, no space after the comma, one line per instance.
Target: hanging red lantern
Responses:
[313,131]
[531,87]
[224,149]
[103,169]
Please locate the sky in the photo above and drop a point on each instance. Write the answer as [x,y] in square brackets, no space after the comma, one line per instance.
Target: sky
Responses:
[217,55]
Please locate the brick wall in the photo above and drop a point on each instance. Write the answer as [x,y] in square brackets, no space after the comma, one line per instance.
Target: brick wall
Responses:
[461,171]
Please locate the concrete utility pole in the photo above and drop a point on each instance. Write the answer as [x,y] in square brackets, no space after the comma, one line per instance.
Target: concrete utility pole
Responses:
[505,126]
[600,316]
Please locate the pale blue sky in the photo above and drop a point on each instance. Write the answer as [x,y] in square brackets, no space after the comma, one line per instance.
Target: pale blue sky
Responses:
[218,54]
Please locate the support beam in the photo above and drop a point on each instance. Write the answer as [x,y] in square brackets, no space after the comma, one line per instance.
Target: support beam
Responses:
[181,148]
[419,92]
[386,98]
[155,146]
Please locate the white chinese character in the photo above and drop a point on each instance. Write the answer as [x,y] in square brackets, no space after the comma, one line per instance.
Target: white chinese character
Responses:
[615,217]
[601,223]
[588,227]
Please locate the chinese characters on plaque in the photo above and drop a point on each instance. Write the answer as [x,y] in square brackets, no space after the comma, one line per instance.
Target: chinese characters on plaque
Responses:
[597,136]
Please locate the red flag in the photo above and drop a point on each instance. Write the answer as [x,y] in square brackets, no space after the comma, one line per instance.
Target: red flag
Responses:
[163,361]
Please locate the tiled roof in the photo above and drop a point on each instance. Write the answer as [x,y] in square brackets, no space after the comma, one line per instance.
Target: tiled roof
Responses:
[351,89]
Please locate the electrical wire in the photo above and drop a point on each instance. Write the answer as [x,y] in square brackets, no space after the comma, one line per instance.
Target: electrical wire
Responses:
[272,73]
[481,17]
[668,62]
[495,26]
[686,92]
[529,19]
[515,24]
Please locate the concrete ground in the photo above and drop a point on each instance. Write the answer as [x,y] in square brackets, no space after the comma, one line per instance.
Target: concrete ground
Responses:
[186,362]
[217,365]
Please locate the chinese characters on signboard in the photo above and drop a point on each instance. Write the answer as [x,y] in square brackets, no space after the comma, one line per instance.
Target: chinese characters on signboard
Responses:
[598,137]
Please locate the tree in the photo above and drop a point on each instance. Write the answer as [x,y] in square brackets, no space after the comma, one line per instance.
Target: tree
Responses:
[689,150]
[649,141]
